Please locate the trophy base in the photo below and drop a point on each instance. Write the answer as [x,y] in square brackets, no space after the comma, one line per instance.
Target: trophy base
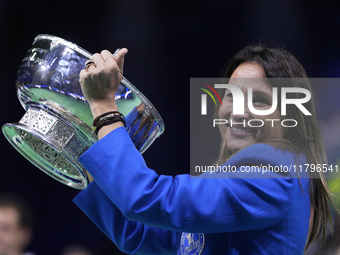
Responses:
[53,139]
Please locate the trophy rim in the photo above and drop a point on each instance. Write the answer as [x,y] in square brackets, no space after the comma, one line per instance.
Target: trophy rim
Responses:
[67,43]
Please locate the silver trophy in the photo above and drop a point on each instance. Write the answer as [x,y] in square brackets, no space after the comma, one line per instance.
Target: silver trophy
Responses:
[56,128]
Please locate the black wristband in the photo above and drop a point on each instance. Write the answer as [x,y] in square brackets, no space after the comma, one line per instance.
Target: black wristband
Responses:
[107,120]
[105,123]
[98,119]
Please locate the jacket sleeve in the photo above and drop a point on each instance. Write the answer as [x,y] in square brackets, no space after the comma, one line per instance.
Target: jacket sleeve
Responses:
[129,236]
[185,204]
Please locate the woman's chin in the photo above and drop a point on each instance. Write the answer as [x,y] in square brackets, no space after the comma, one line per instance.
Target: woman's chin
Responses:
[235,147]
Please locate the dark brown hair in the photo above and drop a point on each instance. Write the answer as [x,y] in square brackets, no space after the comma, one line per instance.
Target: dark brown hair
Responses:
[305,139]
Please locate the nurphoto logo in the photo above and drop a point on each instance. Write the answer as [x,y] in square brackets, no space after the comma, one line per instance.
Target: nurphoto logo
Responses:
[239,103]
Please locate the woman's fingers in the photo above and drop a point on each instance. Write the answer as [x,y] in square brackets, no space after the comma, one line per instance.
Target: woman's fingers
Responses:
[106,60]
[102,75]
[120,58]
[114,61]
[98,60]
[107,56]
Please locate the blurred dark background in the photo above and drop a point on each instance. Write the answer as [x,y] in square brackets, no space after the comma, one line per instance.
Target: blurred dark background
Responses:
[168,43]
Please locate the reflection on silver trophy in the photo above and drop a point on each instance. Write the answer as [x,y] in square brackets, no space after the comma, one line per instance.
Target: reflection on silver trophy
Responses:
[56,128]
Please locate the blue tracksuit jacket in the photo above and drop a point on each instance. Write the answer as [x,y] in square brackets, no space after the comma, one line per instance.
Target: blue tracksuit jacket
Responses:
[145,213]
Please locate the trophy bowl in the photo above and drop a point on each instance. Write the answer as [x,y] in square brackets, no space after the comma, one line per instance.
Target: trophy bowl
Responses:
[56,128]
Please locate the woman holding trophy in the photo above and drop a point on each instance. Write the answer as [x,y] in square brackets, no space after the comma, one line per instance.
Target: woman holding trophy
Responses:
[145,213]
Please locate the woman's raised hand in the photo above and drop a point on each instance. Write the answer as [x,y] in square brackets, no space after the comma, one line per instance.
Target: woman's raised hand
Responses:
[100,80]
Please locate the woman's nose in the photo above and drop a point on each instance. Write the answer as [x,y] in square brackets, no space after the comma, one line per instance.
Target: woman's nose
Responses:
[245,115]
